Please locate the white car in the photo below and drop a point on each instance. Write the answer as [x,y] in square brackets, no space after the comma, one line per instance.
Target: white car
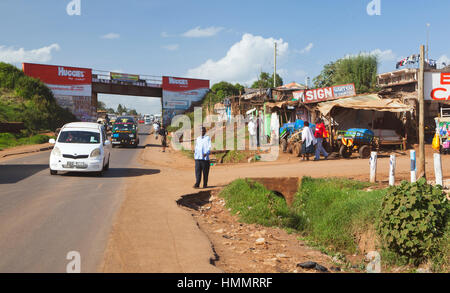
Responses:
[80,147]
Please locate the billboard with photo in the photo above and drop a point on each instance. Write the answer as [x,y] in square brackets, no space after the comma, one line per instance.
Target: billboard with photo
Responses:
[71,86]
[179,94]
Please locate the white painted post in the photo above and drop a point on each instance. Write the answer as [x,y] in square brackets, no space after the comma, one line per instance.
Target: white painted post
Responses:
[392,164]
[373,167]
[413,166]
[438,169]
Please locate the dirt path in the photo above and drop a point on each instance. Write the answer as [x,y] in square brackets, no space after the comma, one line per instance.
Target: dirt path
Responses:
[153,234]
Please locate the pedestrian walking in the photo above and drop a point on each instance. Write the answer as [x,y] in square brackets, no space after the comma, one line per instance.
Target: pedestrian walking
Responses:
[308,142]
[201,156]
[319,135]
[163,132]
[156,129]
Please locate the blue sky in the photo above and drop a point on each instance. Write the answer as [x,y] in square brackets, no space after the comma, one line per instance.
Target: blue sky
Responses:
[230,40]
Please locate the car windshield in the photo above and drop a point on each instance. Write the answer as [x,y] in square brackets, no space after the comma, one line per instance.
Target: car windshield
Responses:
[79,137]
[123,126]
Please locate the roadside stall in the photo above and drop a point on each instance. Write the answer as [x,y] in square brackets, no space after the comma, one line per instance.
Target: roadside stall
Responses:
[373,121]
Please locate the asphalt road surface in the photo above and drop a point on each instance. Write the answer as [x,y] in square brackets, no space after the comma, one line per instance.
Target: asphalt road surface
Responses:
[44,217]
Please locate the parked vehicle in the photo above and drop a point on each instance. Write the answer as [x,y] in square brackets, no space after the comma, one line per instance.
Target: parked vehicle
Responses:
[80,147]
[356,140]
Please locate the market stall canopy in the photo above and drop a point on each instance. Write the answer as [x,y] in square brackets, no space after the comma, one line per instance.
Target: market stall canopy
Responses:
[281,104]
[365,102]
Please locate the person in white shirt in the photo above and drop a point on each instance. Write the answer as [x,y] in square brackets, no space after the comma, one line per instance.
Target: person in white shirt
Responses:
[252,133]
[156,129]
[308,141]
[201,156]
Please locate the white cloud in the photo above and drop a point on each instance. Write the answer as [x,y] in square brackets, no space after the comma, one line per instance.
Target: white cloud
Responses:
[165,35]
[202,33]
[172,47]
[110,36]
[307,49]
[12,55]
[243,61]
[443,59]
[384,56]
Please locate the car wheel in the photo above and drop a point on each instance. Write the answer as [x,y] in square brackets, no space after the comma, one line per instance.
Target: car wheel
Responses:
[364,152]
[344,152]
[53,172]
[106,168]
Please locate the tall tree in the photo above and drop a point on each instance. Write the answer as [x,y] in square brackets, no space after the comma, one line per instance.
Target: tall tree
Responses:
[266,81]
[360,70]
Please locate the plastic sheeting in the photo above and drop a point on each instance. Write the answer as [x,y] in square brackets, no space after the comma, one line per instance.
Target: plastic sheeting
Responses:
[366,102]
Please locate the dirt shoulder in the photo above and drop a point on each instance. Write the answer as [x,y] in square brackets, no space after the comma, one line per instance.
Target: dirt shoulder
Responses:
[151,233]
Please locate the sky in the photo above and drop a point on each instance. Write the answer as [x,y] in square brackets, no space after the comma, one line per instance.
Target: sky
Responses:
[218,40]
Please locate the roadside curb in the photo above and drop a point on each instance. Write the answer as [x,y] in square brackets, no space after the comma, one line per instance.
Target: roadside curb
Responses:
[26,152]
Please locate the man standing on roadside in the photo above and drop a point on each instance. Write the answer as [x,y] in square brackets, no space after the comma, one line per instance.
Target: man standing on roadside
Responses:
[319,135]
[201,156]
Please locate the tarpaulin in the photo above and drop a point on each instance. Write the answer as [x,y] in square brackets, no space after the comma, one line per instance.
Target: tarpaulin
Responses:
[365,102]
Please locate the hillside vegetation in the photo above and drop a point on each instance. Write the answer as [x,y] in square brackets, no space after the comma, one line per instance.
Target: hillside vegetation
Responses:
[28,100]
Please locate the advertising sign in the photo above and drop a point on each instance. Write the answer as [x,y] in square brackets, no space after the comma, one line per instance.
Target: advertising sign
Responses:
[124,77]
[325,94]
[437,86]
[179,94]
[71,87]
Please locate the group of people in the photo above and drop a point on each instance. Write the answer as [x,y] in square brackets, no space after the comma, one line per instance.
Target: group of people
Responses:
[312,141]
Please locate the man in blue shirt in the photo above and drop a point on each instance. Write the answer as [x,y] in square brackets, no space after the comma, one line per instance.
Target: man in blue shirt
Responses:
[201,156]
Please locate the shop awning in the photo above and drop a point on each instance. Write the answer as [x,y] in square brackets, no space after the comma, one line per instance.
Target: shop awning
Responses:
[365,102]
[281,104]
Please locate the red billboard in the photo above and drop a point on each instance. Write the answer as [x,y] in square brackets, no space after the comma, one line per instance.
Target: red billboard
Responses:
[180,93]
[325,94]
[71,86]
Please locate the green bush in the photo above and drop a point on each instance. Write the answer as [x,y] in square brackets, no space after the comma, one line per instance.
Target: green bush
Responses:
[28,100]
[413,219]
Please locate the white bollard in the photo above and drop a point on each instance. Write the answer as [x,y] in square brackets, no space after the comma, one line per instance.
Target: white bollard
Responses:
[438,169]
[373,167]
[413,166]
[392,164]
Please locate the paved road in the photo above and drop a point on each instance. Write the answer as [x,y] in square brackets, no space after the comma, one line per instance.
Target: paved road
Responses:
[43,217]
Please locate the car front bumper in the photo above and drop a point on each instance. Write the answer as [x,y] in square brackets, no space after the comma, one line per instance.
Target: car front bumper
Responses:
[79,165]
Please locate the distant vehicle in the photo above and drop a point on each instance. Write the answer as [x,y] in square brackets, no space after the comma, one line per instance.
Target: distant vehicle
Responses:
[80,147]
[126,119]
[147,121]
[125,132]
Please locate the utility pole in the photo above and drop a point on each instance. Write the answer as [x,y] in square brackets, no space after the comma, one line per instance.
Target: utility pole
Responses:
[428,41]
[275,66]
[421,162]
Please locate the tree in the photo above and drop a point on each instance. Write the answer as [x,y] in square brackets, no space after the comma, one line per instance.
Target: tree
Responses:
[266,81]
[325,78]
[360,70]
[121,109]
[101,105]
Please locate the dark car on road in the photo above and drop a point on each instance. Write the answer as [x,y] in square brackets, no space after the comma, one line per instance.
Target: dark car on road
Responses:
[125,132]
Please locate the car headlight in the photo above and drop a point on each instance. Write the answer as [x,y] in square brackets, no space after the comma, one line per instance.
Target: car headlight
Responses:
[56,152]
[131,135]
[95,153]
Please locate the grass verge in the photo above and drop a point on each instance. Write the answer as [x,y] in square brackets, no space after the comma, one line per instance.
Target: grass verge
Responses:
[9,140]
